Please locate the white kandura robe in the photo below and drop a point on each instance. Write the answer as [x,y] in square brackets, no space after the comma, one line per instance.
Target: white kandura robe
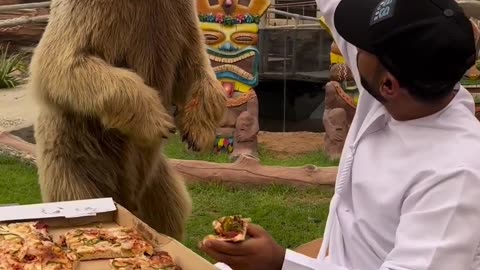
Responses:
[408,193]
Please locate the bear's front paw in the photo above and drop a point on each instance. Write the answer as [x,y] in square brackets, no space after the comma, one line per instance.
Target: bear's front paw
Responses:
[155,129]
[199,120]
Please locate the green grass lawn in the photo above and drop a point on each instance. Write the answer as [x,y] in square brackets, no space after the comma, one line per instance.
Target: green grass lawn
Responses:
[176,149]
[292,216]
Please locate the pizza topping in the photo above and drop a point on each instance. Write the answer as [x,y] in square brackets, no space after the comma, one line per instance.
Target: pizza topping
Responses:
[105,243]
[28,246]
[129,245]
[41,225]
[77,233]
[230,226]
[10,237]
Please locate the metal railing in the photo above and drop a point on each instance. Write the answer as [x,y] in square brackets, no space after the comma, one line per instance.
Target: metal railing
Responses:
[305,8]
[294,51]
[299,21]
[301,54]
[292,20]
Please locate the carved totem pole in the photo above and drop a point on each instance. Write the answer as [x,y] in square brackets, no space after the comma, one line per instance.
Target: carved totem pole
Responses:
[471,79]
[231,30]
[341,96]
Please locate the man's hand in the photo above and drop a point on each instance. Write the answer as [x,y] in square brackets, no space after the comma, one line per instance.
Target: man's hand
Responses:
[259,252]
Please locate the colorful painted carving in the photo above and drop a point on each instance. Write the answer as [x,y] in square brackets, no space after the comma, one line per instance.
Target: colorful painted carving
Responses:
[471,79]
[231,30]
[341,96]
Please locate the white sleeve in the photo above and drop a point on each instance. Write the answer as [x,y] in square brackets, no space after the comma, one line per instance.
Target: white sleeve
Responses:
[439,223]
[222,266]
[297,261]
[438,227]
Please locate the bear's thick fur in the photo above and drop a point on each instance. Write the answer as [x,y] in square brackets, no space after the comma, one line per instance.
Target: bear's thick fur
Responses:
[104,74]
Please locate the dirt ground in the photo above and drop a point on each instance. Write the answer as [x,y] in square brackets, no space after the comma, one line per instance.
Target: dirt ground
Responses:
[18,112]
[17,109]
[291,143]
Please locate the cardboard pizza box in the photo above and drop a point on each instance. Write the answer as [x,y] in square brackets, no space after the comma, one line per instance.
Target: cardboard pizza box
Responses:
[63,216]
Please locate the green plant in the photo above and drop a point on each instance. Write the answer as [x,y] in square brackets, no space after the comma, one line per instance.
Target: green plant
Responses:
[476,99]
[9,66]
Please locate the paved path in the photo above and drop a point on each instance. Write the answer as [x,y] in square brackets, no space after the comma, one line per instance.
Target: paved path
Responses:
[17,109]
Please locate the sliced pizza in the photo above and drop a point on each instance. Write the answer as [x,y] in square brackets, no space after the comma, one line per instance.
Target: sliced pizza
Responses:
[9,263]
[29,246]
[158,261]
[24,231]
[106,243]
[230,228]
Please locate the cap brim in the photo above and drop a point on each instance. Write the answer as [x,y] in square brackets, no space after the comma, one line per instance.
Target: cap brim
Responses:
[352,21]
[471,8]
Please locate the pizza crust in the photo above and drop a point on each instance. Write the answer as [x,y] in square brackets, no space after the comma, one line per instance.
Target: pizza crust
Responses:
[159,260]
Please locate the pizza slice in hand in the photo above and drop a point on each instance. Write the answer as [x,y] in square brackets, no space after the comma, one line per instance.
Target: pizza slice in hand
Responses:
[230,228]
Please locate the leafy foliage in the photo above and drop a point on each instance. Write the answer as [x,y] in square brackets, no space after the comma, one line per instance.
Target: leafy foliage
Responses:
[10,66]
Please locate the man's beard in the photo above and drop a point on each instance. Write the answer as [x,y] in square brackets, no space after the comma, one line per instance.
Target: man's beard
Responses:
[369,88]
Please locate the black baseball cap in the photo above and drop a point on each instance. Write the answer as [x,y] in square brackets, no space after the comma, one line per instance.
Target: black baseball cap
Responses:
[423,43]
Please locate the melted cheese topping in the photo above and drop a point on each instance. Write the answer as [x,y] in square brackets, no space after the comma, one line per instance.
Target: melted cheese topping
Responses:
[118,240]
[28,246]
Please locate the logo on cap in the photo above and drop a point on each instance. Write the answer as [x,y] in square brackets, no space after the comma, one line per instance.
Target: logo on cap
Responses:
[383,11]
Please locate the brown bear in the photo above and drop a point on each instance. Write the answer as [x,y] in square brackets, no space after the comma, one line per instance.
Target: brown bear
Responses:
[104,74]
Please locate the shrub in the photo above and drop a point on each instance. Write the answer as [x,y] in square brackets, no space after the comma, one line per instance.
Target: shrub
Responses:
[10,67]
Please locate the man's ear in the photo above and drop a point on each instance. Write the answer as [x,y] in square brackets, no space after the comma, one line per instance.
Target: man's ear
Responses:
[389,86]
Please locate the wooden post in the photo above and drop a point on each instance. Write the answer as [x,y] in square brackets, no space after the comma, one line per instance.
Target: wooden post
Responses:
[20,21]
[24,6]
[248,170]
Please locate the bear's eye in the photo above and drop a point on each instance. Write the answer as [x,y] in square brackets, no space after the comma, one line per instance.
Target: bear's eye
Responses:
[213,2]
[244,2]
[245,38]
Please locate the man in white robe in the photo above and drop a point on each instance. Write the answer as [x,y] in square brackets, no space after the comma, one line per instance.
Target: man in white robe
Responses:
[407,195]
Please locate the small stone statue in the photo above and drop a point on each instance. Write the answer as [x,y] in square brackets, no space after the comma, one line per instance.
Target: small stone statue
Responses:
[471,79]
[339,106]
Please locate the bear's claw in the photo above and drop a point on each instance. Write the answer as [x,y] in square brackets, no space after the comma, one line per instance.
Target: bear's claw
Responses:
[191,145]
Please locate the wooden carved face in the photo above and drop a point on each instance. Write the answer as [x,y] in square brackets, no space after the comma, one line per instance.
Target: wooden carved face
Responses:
[230,29]
[471,79]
